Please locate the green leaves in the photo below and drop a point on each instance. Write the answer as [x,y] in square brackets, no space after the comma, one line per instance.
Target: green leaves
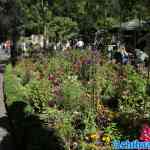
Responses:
[72,91]
[64,27]
[13,89]
[69,17]
[132,93]
[40,94]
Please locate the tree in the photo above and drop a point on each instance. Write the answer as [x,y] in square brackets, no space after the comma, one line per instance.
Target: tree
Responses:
[62,28]
[10,23]
[68,18]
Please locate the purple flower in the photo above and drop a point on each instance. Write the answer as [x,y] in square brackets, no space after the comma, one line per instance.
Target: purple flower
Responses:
[61,98]
[88,62]
[99,143]
[51,103]
[101,133]
[94,49]
[77,62]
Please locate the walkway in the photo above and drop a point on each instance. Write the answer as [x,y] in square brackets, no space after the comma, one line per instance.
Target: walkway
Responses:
[5,137]
[3,55]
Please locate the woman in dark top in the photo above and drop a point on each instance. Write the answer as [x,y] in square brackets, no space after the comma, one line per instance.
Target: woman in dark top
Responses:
[118,57]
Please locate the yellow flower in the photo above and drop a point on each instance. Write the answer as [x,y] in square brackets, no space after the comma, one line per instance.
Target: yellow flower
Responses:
[113,114]
[94,136]
[106,138]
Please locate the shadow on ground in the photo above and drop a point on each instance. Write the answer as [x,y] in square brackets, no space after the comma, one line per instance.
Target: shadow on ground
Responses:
[27,131]
[7,141]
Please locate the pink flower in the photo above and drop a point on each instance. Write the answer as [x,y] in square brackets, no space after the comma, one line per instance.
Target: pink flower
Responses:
[51,77]
[56,82]
[145,133]
[51,103]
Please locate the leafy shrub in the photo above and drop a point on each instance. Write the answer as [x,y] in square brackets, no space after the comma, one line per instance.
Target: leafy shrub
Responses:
[25,70]
[66,129]
[62,122]
[63,93]
[57,63]
[13,88]
[106,83]
[39,94]
[87,146]
[113,131]
[89,121]
[72,91]
[132,92]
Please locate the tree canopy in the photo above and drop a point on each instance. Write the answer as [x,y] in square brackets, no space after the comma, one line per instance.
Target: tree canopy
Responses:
[68,18]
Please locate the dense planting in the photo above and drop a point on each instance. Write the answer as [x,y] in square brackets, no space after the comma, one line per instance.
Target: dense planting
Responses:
[88,101]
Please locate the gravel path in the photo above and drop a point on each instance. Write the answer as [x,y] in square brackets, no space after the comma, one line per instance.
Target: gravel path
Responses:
[2,105]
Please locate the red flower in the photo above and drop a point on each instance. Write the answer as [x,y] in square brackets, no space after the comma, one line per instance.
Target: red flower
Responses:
[145,133]
[51,77]
[56,82]
[51,103]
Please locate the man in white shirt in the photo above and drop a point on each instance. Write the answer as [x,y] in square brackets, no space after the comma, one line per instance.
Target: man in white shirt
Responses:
[66,46]
[80,44]
[110,51]
[141,58]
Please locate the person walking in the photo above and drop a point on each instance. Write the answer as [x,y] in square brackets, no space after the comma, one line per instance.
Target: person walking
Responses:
[80,44]
[141,57]
[110,51]
[7,46]
[125,56]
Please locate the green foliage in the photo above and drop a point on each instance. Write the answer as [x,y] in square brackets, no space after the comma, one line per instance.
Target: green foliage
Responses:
[65,19]
[72,91]
[89,121]
[62,121]
[66,129]
[13,88]
[63,27]
[57,63]
[72,113]
[105,77]
[85,146]
[132,92]
[39,94]
[113,131]
[54,116]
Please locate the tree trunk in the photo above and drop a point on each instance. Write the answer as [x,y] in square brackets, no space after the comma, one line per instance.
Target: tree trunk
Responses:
[13,51]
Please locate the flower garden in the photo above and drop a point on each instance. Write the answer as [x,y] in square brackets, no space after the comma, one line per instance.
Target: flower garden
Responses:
[87,100]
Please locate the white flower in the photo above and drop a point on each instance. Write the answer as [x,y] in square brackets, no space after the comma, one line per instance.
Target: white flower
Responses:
[76,112]
[69,77]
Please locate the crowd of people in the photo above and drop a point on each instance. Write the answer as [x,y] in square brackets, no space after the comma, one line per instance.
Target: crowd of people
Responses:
[118,53]
[69,44]
[5,47]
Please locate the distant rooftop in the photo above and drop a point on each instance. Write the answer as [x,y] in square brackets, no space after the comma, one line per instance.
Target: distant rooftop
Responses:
[133,24]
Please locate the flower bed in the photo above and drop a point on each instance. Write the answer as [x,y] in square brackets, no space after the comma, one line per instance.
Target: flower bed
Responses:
[88,101]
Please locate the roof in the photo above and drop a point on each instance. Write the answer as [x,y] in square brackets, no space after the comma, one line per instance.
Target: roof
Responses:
[132,24]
